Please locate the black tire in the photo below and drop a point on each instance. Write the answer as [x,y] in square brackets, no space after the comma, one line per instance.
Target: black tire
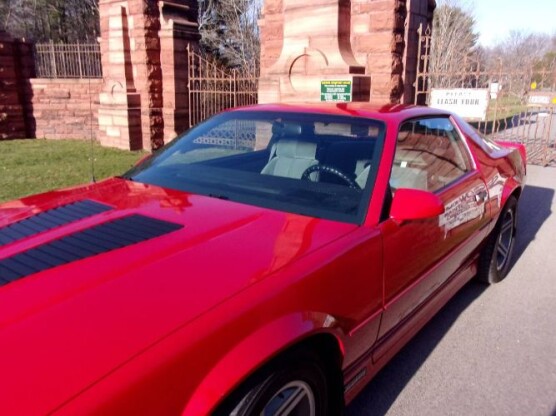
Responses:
[496,257]
[301,375]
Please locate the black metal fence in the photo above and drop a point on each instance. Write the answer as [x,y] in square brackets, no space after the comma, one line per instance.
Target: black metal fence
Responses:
[520,102]
[213,88]
[68,60]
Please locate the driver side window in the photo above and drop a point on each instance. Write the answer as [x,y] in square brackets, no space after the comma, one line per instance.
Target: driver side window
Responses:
[429,155]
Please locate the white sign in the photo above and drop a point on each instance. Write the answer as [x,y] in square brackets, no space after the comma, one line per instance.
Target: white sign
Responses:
[468,103]
[494,90]
[540,99]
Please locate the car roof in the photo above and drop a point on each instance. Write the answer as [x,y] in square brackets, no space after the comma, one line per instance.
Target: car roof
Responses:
[392,112]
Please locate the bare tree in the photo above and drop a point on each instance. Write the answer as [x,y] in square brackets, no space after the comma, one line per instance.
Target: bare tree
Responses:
[454,44]
[56,20]
[230,32]
[522,58]
[522,49]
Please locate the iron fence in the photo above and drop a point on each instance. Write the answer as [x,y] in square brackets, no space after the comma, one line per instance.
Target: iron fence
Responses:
[68,60]
[511,115]
[213,88]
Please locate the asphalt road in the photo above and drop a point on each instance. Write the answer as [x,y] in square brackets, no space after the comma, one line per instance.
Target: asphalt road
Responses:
[490,350]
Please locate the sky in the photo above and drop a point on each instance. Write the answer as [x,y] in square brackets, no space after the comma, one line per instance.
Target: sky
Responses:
[495,18]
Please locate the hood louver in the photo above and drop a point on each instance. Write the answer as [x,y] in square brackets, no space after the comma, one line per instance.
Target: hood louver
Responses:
[118,233]
[50,219]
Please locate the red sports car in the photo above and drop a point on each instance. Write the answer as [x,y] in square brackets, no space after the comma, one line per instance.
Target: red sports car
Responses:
[269,261]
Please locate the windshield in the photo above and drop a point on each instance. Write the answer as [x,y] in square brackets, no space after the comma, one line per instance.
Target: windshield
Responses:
[311,164]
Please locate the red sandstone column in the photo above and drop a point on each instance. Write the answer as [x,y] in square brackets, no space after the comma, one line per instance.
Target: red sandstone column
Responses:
[375,42]
[119,114]
[12,110]
[315,47]
[144,102]
[179,28]
[144,18]
[380,33]
[382,36]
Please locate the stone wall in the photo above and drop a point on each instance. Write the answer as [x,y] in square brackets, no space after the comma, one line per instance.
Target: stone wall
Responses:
[43,108]
[64,108]
[142,100]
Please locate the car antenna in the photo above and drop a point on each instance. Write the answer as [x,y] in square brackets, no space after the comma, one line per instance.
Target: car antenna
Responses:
[92,148]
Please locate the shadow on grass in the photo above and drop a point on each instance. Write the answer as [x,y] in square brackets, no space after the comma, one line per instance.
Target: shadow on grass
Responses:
[377,398]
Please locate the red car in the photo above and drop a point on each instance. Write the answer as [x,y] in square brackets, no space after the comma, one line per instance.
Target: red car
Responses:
[269,261]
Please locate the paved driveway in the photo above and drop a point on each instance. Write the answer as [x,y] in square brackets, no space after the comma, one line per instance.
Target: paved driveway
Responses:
[490,351]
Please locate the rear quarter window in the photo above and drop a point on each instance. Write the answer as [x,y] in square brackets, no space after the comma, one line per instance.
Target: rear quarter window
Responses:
[486,144]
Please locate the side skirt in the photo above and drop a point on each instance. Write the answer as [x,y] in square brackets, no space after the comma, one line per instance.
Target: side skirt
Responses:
[360,373]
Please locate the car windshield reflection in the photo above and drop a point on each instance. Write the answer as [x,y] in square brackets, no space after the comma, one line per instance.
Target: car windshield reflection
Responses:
[311,164]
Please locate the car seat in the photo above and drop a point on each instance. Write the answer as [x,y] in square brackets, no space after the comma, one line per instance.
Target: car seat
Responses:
[290,158]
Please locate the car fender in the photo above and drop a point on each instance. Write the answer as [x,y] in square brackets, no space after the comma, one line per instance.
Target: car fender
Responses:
[510,187]
[254,351]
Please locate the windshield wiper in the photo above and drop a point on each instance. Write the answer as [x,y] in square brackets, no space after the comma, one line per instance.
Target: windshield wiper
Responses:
[223,197]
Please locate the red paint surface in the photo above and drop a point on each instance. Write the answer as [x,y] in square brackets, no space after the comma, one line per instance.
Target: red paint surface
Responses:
[172,325]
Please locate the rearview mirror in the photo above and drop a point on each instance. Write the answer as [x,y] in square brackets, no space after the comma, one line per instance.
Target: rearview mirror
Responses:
[414,204]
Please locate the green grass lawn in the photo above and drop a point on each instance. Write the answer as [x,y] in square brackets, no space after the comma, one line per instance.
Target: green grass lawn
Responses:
[505,106]
[36,165]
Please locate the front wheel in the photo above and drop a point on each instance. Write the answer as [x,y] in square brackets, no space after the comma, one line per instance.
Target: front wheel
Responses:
[496,257]
[299,388]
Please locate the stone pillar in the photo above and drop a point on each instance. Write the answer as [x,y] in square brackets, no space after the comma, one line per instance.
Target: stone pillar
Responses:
[15,71]
[179,28]
[380,36]
[377,41]
[145,57]
[119,114]
[141,105]
[384,37]
[315,47]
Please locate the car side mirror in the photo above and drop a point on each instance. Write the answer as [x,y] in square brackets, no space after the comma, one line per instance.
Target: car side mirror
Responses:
[414,204]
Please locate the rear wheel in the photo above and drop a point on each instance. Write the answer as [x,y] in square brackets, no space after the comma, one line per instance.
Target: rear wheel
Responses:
[496,257]
[299,387]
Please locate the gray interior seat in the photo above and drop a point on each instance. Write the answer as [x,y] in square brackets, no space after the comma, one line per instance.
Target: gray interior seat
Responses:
[290,158]
[406,177]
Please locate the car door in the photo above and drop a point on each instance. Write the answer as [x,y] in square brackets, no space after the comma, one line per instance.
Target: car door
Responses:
[419,256]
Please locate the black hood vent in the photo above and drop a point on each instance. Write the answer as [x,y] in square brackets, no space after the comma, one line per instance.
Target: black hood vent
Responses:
[111,235]
[50,219]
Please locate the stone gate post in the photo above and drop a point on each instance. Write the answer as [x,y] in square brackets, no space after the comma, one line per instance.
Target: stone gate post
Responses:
[119,114]
[15,70]
[377,37]
[178,29]
[144,64]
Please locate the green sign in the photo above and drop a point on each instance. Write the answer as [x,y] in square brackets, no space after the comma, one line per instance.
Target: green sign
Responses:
[335,91]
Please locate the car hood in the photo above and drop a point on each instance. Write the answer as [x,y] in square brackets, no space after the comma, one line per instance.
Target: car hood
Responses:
[72,320]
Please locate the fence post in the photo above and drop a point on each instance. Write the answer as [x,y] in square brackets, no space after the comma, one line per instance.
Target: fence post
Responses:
[234,80]
[53,61]
[495,121]
[79,60]
[189,75]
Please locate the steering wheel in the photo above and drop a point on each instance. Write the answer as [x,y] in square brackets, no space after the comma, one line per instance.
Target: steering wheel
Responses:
[329,169]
